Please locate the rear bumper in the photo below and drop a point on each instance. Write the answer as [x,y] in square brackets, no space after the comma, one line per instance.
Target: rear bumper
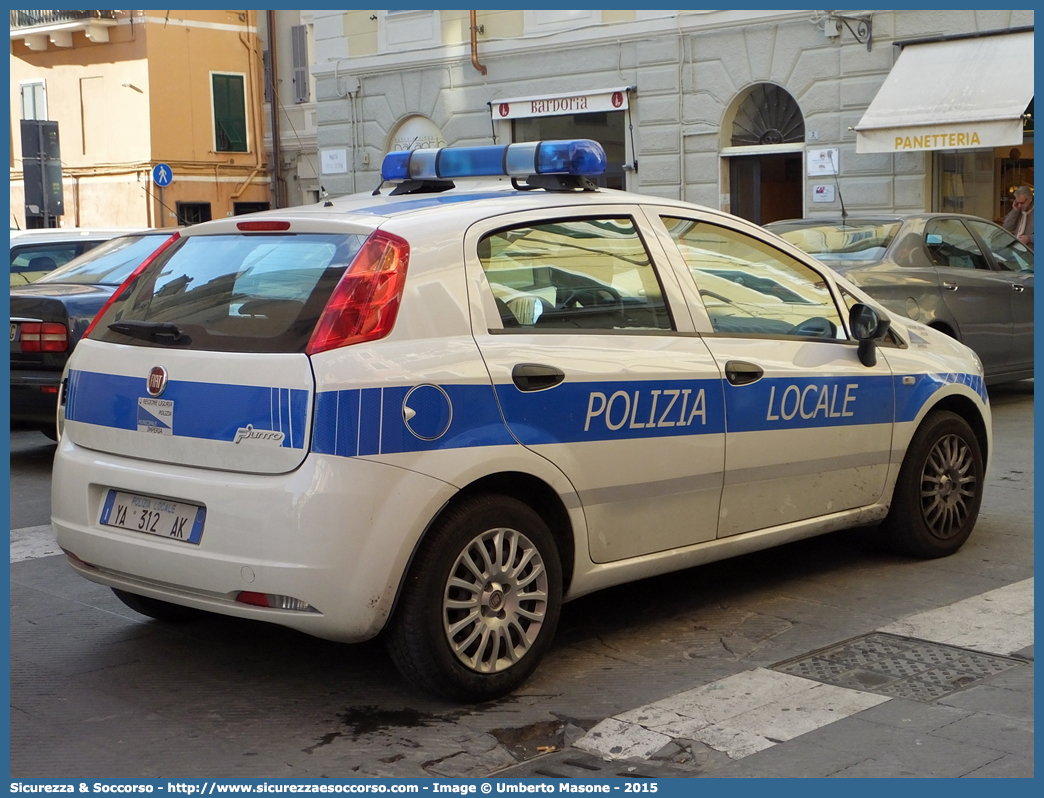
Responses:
[337,533]
[34,396]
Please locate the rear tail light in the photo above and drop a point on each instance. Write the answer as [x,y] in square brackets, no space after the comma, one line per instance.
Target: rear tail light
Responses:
[43,337]
[365,302]
[133,276]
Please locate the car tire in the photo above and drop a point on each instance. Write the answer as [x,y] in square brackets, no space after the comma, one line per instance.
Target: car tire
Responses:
[50,432]
[160,610]
[480,603]
[939,490]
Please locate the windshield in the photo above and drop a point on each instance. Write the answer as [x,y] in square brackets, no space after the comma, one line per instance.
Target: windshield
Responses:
[107,264]
[851,241]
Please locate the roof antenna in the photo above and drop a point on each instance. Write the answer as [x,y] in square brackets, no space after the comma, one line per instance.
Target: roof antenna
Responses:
[837,185]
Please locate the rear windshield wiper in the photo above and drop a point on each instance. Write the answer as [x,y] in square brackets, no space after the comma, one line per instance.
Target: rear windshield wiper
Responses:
[151,330]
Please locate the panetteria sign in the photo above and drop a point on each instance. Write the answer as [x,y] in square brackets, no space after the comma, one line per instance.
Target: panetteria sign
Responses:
[560,104]
[977,134]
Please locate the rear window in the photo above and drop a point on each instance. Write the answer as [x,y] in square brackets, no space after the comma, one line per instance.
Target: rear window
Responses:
[232,293]
[107,264]
[852,241]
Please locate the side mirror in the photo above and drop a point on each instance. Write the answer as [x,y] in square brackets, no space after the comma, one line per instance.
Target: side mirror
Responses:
[867,327]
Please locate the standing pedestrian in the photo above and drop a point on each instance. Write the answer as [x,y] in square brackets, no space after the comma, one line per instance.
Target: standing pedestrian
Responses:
[1019,222]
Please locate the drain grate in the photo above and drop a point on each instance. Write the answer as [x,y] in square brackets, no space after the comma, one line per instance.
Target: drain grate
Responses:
[899,667]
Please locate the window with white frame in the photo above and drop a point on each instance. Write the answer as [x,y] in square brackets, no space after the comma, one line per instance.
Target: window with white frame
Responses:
[34,100]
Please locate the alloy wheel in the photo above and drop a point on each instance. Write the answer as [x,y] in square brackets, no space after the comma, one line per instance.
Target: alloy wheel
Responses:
[495,600]
[949,483]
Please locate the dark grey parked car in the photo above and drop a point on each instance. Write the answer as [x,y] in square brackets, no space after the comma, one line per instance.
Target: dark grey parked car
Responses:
[960,274]
[49,316]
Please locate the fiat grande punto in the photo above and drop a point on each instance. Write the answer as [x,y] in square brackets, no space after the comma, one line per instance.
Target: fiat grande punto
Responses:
[438,411]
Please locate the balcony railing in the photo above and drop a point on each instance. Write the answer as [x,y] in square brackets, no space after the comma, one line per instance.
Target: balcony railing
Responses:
[32,19]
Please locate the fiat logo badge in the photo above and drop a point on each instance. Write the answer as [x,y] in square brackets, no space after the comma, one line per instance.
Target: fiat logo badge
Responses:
[156,381]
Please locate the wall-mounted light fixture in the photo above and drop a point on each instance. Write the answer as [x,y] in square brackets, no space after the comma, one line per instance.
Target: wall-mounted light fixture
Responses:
[862,32]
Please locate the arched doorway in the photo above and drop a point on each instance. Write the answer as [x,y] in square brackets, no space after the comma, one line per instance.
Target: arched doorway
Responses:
[765,155]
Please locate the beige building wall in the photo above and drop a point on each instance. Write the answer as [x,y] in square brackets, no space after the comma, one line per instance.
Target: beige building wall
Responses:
[142,98]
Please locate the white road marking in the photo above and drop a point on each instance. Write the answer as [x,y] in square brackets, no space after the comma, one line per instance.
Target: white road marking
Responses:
[997,622]
[618,740]
[740,715]
[751,711]
[32,542]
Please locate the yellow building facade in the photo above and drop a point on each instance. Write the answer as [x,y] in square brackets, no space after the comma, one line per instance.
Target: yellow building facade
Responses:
[134,89]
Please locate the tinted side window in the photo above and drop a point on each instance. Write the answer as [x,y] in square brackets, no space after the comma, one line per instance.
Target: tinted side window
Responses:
[33,261]
[111,263]
[42,257]
[574,274]
[1007,251]
[750,287]
[951,246]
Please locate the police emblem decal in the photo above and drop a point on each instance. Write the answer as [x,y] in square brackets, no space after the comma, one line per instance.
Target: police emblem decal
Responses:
[156,382]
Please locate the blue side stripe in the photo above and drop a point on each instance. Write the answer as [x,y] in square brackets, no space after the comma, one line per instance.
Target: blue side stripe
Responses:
[212,411]
[909,399]
[808,402]
[600,411]
[369,421]
[359,422]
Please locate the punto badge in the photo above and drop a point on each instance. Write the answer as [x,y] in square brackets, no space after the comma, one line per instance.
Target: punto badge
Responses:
[156,381]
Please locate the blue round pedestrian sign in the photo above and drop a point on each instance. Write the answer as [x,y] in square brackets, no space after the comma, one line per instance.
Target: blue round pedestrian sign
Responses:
[162,175]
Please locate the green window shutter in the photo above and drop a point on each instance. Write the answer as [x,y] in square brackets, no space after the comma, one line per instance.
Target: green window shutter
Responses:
[229,113]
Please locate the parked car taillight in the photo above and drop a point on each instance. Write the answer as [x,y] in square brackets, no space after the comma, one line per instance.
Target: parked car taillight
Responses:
[365,302]
[44,337]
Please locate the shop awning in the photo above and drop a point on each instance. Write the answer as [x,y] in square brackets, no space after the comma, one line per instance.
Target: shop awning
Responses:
[955,94]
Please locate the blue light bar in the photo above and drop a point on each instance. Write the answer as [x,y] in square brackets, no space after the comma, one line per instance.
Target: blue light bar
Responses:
[569,156]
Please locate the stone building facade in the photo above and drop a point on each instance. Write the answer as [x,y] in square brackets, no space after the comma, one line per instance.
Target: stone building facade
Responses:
[747,111]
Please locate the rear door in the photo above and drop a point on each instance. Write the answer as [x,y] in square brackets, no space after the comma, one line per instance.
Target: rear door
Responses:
[808,427]
[596,367]
[202,361]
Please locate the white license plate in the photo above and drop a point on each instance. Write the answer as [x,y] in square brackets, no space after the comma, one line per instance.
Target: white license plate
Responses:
[14,330]
[162,517]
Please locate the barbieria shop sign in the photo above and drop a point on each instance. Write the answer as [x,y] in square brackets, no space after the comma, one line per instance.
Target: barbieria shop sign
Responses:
[561,104]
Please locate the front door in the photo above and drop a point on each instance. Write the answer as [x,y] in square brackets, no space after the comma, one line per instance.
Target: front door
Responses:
[596,367]
[1014,261]
[808,427]
[978,298]
[766,188]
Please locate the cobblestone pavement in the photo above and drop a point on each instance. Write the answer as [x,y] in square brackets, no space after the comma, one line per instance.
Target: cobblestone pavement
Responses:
[98,691]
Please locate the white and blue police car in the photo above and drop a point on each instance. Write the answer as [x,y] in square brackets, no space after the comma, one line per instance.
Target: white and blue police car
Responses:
[437,412]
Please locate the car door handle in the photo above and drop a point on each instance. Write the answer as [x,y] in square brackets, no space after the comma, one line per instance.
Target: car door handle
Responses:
[535,376]
[1018,289]
[950,286]
[739,372]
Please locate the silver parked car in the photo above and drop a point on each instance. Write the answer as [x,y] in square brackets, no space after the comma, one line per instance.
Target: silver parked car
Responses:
[959,274]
